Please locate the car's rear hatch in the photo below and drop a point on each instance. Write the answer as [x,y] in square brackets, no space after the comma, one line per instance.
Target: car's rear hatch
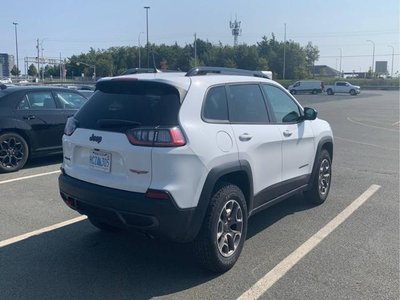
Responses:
[117,129]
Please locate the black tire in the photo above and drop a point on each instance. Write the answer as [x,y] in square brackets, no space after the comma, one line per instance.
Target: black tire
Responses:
[219,244]
[353,92]
[321,180]
[293,92]
[103,226]
[314,92]
[14,152]
[329,91]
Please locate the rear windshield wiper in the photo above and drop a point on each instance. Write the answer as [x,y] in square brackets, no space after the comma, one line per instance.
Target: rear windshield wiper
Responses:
[116,123]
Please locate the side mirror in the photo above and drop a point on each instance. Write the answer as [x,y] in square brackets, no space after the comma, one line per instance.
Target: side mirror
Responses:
[310,113]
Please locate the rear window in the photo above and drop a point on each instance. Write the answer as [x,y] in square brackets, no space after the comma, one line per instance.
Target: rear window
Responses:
[216,106]
[118,106]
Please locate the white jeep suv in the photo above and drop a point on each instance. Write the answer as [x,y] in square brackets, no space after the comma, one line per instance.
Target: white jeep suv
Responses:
[192,156]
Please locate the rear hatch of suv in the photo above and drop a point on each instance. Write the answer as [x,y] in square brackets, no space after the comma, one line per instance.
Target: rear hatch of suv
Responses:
[110,139]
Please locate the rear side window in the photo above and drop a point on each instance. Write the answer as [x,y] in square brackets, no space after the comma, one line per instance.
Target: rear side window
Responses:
[37,100]
[215,106]
[70,99]
[120,105]
[246,104]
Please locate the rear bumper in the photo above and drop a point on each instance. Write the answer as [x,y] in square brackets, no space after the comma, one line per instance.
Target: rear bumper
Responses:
[129,210]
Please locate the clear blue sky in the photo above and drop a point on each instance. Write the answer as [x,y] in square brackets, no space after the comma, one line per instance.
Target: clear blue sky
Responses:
[72,27]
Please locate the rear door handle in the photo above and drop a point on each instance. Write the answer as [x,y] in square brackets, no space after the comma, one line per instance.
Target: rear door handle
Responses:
[287,133]
[245,137]
[30,117]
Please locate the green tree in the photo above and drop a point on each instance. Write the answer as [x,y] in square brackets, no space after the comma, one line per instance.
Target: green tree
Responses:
[15,71]
[32,71]
[246,57]
[273,50]
[52,71]
[296,66]
[265,55]
[312,55]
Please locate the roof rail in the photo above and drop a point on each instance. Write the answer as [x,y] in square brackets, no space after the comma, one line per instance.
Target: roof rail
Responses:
[224,71]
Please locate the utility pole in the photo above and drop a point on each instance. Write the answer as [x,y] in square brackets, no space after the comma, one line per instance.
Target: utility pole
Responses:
[373,56]
[340,64]
[391,73]
[16,44]
[195,50]
[147,33]
[284,54]
[61,71]
[38,64]
[41,48]
[139,46]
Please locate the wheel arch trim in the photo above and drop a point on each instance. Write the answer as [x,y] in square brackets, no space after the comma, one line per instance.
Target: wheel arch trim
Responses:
[325,143]
[213,177]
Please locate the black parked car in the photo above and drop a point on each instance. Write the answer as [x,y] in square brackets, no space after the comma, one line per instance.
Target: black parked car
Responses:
[32,121]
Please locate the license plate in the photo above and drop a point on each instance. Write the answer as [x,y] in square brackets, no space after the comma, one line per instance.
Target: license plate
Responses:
[100,161]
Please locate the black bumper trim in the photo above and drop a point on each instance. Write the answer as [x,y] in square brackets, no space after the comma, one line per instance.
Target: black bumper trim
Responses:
[128,210]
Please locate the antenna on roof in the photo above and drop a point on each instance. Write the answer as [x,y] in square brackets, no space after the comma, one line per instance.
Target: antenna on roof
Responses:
[236,30]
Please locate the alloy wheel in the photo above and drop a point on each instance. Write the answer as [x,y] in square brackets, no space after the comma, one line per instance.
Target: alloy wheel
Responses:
[324,177]
[229,228]
[12,152]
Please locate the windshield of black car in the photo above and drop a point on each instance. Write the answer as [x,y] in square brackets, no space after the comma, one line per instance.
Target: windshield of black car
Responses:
[117,106]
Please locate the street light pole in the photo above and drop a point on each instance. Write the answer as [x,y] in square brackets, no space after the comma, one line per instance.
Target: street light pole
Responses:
[147,33]
[340,63]
[391,73]
[16,44]
[90,66]
[373,55]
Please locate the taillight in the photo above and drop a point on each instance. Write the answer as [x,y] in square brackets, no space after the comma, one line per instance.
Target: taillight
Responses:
[70,126]
[157,137]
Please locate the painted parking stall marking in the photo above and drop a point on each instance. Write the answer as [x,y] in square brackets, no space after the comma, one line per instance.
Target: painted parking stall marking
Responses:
[266,282]
[40,231]
[29,177]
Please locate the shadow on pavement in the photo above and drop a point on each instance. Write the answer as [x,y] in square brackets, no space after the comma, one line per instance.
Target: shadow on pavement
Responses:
[80,262]
[43,161]
[273,214]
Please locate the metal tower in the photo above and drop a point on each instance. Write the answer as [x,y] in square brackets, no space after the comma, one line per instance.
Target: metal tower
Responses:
[236,31]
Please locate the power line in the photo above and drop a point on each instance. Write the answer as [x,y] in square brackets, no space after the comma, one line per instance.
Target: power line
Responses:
[338,34]
[362,55]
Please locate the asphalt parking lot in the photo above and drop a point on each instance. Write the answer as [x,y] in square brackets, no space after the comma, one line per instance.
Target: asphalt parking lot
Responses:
[358,259]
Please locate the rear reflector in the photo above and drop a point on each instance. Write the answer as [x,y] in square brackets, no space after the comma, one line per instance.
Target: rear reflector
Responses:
[154,194]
